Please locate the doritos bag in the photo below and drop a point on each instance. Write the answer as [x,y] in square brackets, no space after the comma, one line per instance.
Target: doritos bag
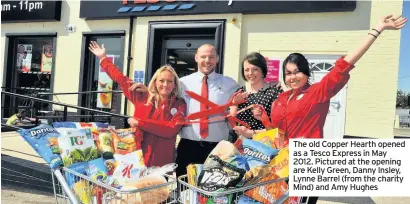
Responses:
[43,139]
[256,153]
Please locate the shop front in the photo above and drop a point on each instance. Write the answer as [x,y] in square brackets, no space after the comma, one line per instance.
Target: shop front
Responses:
[29,58]
[140,36]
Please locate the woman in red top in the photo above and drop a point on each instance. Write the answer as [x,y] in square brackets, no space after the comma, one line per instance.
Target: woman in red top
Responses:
[156,112]
[301,112]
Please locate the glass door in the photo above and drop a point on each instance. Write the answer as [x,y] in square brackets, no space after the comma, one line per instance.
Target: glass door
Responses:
[179,51]
[29,71]
[95,79]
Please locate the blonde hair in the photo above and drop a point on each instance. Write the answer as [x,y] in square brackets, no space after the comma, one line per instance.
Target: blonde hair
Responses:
[153,97]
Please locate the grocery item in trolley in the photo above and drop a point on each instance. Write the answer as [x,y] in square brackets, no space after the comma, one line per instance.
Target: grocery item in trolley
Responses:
[280,164]
[219,175]
[193,171]
[79,125]
[268,193]
[126,140]
[104,142]
[274,138]
[43,139]
[256,153]
[156,195]
[130,167]
[77,145]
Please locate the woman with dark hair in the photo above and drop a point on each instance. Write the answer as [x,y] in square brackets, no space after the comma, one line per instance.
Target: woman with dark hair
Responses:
[301,112]
[254,71]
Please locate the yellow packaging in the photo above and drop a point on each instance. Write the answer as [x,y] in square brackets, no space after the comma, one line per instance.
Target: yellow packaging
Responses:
[193,171]
[191,174]
[280,164]
[273,138]
[83,191]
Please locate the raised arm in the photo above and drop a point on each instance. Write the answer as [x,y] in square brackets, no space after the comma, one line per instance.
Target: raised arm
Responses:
[386,23]
[115,74]
[337,78]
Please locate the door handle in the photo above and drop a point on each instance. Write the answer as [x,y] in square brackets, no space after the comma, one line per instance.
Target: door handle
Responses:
[336,105]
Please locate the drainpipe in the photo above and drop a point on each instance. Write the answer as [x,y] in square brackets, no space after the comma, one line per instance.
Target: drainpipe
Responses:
[129,58]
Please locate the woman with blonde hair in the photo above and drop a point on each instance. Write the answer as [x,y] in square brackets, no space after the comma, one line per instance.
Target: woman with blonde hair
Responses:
[156,111]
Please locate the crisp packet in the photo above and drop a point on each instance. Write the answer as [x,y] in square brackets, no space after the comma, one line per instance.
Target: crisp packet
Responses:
[254,175]
[280,164]
[219,175]
[126,140]
[273,138]
[43,139]
[268,193]
[256,153]
[129,168]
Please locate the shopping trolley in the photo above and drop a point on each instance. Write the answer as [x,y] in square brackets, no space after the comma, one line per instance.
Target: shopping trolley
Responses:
[189,194]
[101,193]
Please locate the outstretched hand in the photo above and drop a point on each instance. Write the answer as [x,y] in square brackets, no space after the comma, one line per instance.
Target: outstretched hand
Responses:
[391,23]
[98,51]
[137,87]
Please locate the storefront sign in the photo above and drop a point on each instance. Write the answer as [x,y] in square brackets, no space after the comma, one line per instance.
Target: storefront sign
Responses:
[30,10]
[273,70]
[104,84]
[116,9]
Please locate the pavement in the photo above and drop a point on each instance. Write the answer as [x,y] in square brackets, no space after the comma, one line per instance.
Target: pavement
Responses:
[16,195]
[12,144]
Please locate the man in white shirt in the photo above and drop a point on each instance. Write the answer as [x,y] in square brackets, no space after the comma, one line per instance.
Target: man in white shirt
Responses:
[196,141]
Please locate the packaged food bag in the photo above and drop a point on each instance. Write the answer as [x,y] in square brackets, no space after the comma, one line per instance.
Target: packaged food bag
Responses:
[126,140]
[77,145]
[83,191]
[246,200]
[280,164]
[268,193]
[257,173]
[43,139]
[156,195]
[193,172]
[273,138]
[129,168]
[64,125]
[219,175]
[79,168]
[224,150]
[256,153]
[97,170]
[215,200]
[111,164]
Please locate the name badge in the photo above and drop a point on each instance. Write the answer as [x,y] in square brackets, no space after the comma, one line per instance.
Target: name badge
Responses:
[173,111]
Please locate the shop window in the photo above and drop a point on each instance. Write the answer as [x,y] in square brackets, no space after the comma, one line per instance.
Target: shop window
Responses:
[93,78]
[28,71]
